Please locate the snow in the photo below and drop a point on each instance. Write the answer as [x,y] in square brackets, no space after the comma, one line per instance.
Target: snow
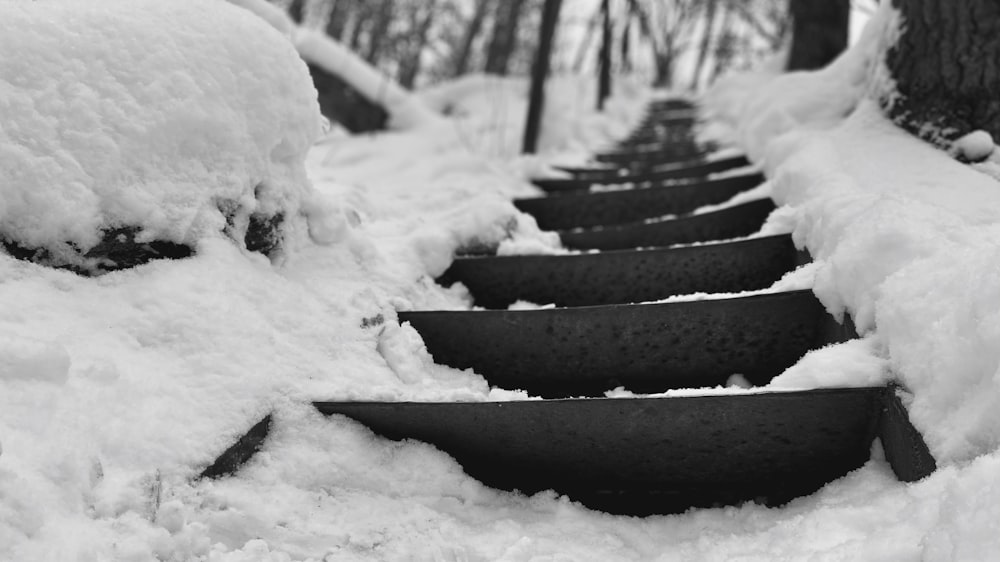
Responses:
[121,113]
[975,146]
[116,391]
[404,110]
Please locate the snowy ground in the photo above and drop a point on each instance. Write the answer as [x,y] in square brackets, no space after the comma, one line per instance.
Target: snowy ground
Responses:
[116,391]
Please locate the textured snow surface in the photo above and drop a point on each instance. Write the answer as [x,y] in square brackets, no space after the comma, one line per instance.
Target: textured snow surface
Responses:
[140,113]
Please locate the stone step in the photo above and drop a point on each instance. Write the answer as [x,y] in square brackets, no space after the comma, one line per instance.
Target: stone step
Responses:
[646,456]
[668,129]
[687,170]
[651,152]
[732,222]
[601,208]
[625,276]
[646,348]
[670,104]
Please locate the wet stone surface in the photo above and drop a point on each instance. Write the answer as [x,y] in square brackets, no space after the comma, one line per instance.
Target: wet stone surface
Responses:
[627,276]
[732,222]
[645,348]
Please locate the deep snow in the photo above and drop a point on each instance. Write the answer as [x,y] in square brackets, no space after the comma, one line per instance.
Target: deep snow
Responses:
[116,391]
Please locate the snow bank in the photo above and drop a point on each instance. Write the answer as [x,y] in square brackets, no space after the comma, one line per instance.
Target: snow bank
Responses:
[405,112]
[123,113]
[905,236]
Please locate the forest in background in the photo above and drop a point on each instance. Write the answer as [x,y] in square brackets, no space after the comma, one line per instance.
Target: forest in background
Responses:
[681,44]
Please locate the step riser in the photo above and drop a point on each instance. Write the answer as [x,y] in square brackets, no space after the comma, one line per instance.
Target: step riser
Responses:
[642,456]
[624,277]
[645,348]
[690,171]
[588,209]
[734,222]
[648,154]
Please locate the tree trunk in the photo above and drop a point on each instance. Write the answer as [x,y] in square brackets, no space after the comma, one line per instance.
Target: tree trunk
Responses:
[664,61]
[339,15]
[380,28]
[296,10]
[947,69]
[504,38]
[539,72]
[626,46]
[819,32]
[706,42]
[723,46]
[411,67]
[361,21]
[604,62]
[341,103]
[471,32]
[588,38]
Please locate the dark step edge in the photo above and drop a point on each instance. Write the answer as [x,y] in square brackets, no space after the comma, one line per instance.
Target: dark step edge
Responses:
[590,209]
[689,172]
[651,152]
[686,229]
[237,455]
[905,449]
[668,369]
[514,270]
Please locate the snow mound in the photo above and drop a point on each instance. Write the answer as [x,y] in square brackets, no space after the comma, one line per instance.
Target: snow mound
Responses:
[147,115]
[405,110]
[27,358]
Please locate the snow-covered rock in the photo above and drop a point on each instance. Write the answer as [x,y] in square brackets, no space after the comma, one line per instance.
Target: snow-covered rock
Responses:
[146,115]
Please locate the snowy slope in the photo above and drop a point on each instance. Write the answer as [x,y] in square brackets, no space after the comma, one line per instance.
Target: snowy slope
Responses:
[116,391]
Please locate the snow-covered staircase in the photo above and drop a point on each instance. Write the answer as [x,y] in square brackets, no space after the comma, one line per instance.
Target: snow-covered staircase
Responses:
[643,455]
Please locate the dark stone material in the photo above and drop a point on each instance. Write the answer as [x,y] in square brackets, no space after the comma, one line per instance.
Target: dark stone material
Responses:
[625,276]
[733,222]
[118,249]
[343,104]
[650,153]
[264,233]
[233,458]
[904,447]
[602,208]
[688,170]
[651,455]
[670,104]
[646,348]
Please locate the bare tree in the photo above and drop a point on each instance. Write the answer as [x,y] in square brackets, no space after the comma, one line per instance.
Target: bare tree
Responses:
[945,66]
[819,32]
[421,21]
[669,26]
[381,19]
[503,39]
[706,41]
[471,32]
[340,15]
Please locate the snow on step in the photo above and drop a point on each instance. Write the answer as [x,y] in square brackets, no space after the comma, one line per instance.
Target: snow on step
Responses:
[645,347]
[732,222]
[661,455]
[624,276]
[651,153]
[696,170]
[584,209]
